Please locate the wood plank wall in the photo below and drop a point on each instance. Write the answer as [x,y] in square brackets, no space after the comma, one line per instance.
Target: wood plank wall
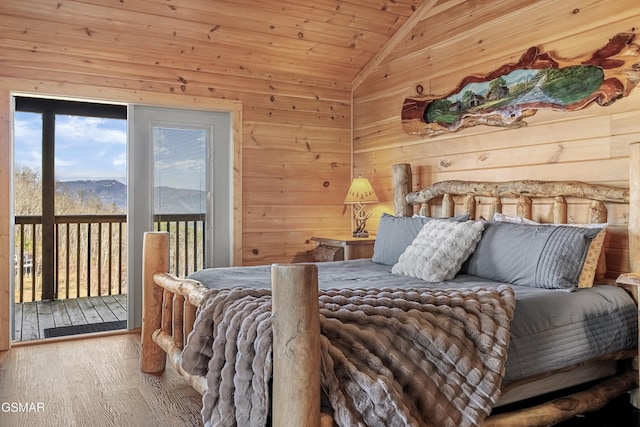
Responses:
[296,144]
[296,123]
[456,39]
[6,263]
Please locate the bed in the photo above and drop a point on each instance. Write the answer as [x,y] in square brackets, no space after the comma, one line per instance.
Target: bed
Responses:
[455,333]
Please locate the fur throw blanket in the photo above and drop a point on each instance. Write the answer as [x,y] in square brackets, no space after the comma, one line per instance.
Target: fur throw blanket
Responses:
[390,357]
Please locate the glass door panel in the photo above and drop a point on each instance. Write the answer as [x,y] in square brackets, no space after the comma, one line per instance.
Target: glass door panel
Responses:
[180,193]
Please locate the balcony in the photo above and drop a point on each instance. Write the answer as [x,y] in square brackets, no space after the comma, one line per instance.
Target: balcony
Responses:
[88,285]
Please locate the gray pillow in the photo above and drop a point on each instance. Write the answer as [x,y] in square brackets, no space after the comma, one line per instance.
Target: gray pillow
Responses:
[395,234]
[541,256]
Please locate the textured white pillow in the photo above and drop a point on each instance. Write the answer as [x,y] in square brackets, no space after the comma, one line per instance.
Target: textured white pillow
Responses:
[439,249]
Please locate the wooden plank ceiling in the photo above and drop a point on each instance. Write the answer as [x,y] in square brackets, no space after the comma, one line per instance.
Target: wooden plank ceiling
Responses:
[316,42]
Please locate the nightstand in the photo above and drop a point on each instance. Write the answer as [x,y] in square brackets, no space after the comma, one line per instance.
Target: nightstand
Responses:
[344,247]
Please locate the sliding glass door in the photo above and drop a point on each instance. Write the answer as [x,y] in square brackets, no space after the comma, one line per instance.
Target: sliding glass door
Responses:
[69,199]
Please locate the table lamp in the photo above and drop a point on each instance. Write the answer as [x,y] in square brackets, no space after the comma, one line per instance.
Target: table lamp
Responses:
[360,192]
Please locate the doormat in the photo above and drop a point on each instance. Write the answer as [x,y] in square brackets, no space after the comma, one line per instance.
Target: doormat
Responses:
[84,329]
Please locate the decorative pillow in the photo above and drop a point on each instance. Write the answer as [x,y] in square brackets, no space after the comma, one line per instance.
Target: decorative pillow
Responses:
[541,256]
[594,268]
[439,249]
[395,233]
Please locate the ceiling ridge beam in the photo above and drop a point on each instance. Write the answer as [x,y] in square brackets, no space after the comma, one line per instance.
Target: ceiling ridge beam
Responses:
[405,29]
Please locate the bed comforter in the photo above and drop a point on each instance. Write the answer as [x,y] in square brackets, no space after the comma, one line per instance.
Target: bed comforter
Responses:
[390,357]
[549,330]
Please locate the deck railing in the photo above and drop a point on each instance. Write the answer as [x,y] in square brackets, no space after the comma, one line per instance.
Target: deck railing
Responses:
[186,241]
[90,253]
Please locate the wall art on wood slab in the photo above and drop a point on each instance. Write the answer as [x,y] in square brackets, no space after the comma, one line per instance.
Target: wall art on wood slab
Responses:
[513,92]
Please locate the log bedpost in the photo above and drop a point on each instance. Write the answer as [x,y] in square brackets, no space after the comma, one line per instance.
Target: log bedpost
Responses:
[470,206]
[495,206]
[559,210]
[598,212]
[155,255]
[177,328]
[401,187]
[448,206]
[425,209]
[296,345]
[523,207]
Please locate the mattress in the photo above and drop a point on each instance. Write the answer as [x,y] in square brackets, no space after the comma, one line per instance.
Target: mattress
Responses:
[551,329]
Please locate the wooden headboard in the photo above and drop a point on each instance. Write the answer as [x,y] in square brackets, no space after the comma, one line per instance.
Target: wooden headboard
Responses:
[484,199]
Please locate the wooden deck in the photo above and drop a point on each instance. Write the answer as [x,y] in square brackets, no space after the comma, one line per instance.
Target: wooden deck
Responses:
[32,318]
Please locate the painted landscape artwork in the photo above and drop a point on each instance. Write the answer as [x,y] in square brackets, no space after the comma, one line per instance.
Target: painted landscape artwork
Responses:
[538,80]
[550,88]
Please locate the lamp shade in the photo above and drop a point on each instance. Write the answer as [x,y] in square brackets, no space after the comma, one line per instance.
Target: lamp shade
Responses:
[361,191]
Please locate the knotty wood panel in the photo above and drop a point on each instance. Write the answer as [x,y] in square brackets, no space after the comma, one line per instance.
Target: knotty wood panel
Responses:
[283,67]
[289,63]
[446,59]
[379,126]
[462,38]
[457,39]
[326,38]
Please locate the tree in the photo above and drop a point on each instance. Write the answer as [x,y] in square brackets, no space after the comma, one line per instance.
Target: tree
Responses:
[437,108]
[27,191]
[496,83]
[70,237]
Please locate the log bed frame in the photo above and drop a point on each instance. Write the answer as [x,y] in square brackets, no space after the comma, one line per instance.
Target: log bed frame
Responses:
[170,303]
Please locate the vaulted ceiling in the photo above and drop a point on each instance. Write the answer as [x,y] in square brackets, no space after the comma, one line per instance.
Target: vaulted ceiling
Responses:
[297,39]
[306,41]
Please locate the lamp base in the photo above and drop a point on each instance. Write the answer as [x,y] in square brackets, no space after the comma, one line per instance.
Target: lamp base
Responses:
[361,233]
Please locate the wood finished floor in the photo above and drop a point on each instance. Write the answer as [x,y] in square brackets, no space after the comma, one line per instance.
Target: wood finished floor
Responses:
[92,382]
[96,382]
[32,318]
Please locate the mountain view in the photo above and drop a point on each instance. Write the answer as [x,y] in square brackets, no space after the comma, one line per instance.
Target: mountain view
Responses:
[113,192]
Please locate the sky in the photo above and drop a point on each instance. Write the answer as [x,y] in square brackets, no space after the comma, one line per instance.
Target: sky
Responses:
[86,147]
[90,148]
[180,157]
